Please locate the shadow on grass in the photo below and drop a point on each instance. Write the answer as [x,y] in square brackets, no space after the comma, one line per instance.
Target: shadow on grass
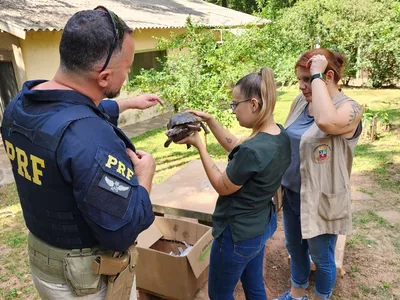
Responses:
[147,135]
[216,150]
[171,166]
[384,169]
[393,116]
[175,156]
[8,195]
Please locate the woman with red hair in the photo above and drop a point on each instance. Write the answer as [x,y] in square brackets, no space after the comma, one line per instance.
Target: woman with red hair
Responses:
[324,126]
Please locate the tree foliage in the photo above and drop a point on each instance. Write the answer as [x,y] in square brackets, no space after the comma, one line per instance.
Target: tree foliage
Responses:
[255,6]
[365,31]
[247,6]
[199,72]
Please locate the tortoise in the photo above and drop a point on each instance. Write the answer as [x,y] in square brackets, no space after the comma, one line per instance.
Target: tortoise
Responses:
[182,125]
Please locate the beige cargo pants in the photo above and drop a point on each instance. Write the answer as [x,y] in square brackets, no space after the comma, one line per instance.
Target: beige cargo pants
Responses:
[53,291]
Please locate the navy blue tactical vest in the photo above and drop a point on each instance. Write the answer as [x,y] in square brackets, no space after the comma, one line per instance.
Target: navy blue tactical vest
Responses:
[48,204]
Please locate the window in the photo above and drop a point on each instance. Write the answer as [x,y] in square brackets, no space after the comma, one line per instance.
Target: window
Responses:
[147,61]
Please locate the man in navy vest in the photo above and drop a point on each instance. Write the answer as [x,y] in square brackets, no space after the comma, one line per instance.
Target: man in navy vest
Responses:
[83,187]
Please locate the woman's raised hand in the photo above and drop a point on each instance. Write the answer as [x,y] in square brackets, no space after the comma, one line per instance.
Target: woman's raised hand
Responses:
[194,140]
[204,116]
[317,64]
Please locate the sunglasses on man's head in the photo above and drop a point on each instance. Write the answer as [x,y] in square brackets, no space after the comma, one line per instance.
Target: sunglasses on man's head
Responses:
[119,32]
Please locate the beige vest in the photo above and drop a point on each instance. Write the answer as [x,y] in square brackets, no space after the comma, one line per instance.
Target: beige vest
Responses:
[325,167]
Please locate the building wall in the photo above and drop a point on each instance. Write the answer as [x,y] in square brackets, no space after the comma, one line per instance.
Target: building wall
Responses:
[41,57]
[40,52]
[145,38]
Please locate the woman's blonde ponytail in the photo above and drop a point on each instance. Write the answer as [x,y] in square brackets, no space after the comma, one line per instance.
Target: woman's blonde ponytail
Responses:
[268,98]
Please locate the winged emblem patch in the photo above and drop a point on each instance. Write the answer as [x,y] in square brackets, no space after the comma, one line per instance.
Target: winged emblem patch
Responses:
[114,185]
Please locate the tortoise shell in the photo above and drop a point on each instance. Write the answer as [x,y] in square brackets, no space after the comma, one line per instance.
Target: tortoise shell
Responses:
[182,125]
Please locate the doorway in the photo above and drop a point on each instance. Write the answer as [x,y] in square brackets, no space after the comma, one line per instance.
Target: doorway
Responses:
[8,85]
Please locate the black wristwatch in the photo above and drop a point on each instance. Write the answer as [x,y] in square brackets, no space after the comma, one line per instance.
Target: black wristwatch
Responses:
[318,75]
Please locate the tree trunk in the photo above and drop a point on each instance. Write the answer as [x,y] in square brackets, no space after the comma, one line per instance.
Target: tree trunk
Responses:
[224,3]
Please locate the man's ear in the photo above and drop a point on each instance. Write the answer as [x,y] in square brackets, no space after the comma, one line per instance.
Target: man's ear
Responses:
[330,76]
[103,78]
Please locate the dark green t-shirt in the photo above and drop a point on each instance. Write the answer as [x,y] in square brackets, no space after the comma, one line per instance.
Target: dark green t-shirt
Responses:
[258,165]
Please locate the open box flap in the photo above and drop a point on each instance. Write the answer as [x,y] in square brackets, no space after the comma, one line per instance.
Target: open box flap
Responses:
[199,256]
[147,238]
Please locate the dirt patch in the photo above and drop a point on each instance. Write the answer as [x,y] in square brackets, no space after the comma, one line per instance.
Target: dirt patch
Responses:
[372,253]
[391,216]
[371,259]
[276,267]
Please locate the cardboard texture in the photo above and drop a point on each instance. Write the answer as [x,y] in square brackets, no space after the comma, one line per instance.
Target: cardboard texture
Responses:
[173,277]
[197,194]
[152,235]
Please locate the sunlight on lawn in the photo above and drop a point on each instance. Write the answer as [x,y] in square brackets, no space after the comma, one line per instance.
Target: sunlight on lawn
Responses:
[370,157]
[379,159]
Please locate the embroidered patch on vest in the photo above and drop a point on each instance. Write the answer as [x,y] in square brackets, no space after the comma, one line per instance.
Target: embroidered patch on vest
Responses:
[110,183]
[322,153]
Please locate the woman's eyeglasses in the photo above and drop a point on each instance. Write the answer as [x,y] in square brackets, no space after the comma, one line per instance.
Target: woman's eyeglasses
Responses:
[119,32]
[233,105]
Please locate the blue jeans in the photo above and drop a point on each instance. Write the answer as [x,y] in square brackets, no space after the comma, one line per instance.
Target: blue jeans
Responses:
[321,249]
[230,261]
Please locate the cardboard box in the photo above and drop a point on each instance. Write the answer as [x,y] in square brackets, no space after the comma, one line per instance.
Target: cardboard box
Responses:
[173,277]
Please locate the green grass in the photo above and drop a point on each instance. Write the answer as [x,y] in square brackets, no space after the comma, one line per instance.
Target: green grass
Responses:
[360,239]
[170,159]
[366,192]
[13,257]
[354,268]
[382,290]
[16,239]
[396,244]
[375,98]
[369,218]
[8,194]
[380,158]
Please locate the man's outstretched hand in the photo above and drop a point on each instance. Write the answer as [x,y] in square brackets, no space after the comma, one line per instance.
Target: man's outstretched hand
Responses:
[140,102]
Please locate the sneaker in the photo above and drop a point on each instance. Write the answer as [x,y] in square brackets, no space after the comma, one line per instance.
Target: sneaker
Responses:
[287,296]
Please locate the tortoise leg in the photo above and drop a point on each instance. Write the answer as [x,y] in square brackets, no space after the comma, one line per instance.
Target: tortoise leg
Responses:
[204,128]
[167,142]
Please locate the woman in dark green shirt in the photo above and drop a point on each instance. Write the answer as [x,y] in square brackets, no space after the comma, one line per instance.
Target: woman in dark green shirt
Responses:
[244,216]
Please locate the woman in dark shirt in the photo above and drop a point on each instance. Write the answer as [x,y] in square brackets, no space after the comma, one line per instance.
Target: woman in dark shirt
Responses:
[244,216]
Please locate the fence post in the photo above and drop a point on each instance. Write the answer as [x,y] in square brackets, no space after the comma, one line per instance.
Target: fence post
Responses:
[373,129]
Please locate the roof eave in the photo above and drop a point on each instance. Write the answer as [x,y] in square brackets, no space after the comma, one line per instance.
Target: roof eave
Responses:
[12,29]
[259,24]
